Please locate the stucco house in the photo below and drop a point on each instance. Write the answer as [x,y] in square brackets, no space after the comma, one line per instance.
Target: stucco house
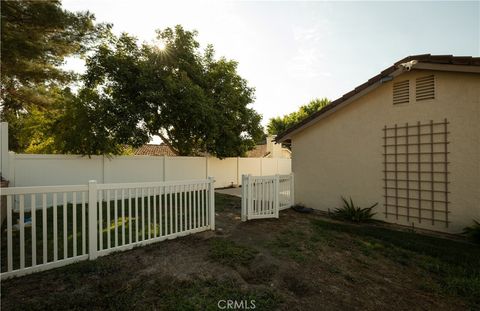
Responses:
[408,138]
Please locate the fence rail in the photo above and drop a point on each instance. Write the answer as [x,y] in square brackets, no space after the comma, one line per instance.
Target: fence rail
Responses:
[51,226]
[265,196]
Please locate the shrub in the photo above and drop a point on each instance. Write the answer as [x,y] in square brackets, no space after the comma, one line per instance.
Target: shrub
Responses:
[473,232]
[353,213]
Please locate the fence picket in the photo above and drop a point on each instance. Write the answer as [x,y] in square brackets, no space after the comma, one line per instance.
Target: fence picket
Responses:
[129,216]
[44,224]
[115,216]
[143,214]
[123,217]
[155,212]
[65,242]
[84,225]
[108,218]
[100,219]
[161,196]
[9,234]
[55,228]
[136,215]
[148,219]
[33,213]
[22,230]
[74,226]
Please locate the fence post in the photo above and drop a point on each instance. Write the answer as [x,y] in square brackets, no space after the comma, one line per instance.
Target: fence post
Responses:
[276,190]
[11,168]
[292,190]
[244,198]
[211,190]
[4,157]
[92,219]
[249,208]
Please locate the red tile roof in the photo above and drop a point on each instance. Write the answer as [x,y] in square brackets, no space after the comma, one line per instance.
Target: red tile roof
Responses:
[155,150]
[259,151]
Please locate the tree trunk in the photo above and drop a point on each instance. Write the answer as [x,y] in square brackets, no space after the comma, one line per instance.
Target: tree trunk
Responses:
[168,143]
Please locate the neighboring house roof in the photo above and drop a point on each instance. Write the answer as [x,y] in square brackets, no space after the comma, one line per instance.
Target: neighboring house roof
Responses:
[155,150]
[425,61]
[259,151]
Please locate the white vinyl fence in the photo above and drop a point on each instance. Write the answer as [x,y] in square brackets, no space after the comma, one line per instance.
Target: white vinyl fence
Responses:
[26,170]
[82,222]
[265,196]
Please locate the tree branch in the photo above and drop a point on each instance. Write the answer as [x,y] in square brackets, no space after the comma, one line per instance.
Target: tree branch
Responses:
[165,140]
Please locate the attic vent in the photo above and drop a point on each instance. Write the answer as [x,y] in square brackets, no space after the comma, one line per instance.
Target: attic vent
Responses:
[401,92]
[425,88]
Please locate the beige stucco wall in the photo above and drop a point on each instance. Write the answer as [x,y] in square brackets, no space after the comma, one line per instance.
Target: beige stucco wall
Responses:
[342,153]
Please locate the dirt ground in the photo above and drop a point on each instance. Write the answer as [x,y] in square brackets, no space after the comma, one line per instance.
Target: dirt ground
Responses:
[282,264]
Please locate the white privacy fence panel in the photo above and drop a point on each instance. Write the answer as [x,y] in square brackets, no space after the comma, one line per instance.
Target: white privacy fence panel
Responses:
[86,221]
[47,170]
[184,168]
[225,171]
[269,166]
[131,169]
[284,166]
[265,196]
[249,166]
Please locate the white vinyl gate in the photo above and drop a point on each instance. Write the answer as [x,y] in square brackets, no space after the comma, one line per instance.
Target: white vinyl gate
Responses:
[265,196]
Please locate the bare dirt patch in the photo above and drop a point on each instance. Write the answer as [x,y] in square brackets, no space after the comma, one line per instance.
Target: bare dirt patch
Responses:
[297,262]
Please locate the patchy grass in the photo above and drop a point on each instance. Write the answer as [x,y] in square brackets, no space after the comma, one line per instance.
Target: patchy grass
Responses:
[454,265]
[225,201]
[294,244]
[229,253]
[199,295]
[297,262]
[165,293]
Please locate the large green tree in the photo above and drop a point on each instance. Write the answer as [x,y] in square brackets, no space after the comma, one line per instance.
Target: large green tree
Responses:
[36,36]
[278,125]
[193,101]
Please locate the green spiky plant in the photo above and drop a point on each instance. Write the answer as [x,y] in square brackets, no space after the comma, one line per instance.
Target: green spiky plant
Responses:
[473,232]
[354,213]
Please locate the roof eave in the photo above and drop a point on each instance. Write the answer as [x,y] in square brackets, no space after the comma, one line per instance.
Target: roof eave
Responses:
[326,113]
[446,67]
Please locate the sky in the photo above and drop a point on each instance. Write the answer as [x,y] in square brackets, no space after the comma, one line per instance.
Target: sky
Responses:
[293,52]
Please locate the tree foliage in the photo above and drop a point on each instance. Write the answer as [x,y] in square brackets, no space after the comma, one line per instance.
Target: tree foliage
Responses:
[280,124]
[194,102]
[36,36]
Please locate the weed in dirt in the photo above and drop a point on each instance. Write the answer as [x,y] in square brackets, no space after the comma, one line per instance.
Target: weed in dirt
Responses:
[164,293]
[260,273]
[333,269]
[454,265]
[294,244]
[229,253]
[205,295]
[100,267]
[296,284]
